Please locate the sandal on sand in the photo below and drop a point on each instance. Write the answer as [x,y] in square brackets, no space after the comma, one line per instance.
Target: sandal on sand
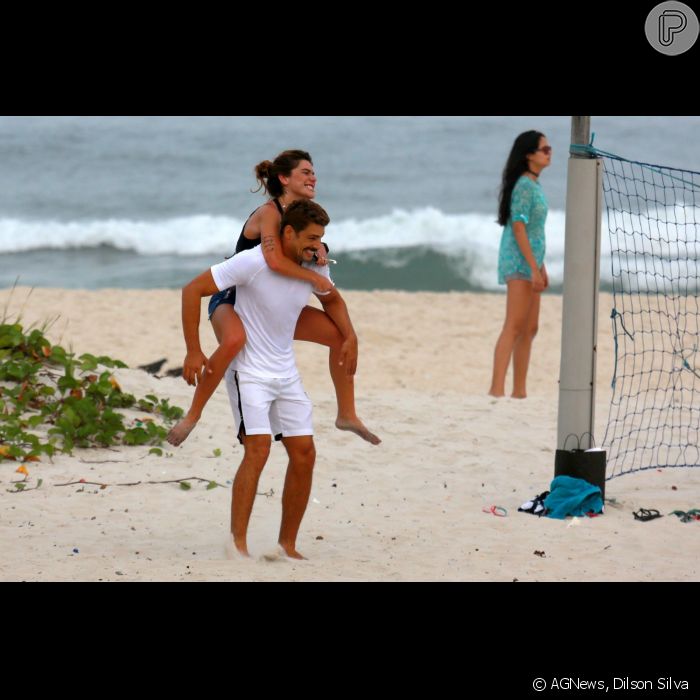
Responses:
[498,511]
[647,514]
[685,517]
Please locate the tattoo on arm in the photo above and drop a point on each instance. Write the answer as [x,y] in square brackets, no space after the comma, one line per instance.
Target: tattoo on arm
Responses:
[268,242]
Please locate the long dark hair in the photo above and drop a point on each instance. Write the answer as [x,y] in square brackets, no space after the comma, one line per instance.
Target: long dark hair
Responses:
[267,173]
[516,165]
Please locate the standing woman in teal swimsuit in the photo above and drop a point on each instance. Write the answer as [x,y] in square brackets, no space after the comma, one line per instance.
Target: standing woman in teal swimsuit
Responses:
[522,212]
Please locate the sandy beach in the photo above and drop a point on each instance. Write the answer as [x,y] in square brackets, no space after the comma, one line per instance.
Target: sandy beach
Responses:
[410,509]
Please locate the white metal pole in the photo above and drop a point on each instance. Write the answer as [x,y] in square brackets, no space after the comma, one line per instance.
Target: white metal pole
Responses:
[580,298]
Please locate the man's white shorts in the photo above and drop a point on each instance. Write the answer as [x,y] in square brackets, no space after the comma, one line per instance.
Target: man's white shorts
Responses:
[278,407]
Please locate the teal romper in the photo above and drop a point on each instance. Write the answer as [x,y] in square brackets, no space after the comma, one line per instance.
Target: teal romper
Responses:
[528,204]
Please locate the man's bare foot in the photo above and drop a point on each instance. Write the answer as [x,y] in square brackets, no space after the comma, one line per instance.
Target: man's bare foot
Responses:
[291,552]
[518,396]
[233,551]
[179,433]
[496,394]
[358,427]
[282,554]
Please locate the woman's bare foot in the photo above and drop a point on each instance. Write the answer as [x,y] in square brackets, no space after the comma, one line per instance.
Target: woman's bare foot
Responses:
[355,425]
[518,396]
[497,395]
[179,433]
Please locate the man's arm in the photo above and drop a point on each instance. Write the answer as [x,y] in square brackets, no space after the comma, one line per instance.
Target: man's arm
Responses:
[192,293]
[334,305]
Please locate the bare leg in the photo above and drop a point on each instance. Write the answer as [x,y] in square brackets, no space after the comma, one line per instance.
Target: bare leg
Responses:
[521,350]
[518,301]
[297,488]
[245,485]
[316,326]
[231,336]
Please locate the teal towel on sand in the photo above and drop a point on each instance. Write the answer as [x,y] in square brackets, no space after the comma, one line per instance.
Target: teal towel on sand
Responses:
[570,496]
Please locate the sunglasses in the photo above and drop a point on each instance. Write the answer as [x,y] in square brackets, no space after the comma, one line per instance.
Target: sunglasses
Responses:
[545,149]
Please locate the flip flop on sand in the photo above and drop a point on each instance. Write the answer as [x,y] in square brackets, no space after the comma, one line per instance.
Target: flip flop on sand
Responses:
[646,514]
[693,514]
[498,511]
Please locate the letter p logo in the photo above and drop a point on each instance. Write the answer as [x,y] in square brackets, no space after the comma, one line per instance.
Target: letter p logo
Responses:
[671,22]
[672,28]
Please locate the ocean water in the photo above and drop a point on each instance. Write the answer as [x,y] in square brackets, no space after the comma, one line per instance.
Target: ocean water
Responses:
[144,202]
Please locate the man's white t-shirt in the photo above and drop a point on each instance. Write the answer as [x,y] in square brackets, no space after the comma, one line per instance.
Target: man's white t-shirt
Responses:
[269,305]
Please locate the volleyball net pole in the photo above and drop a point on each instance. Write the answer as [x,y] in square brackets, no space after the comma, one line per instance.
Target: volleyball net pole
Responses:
[579,329]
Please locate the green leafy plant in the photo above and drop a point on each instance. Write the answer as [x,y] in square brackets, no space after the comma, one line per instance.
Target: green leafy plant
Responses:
[74,402]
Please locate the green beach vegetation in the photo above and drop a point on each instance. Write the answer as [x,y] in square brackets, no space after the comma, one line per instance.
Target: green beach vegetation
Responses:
[52,401]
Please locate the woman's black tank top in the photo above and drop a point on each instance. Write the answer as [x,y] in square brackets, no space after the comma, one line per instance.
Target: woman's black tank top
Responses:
[249,243]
